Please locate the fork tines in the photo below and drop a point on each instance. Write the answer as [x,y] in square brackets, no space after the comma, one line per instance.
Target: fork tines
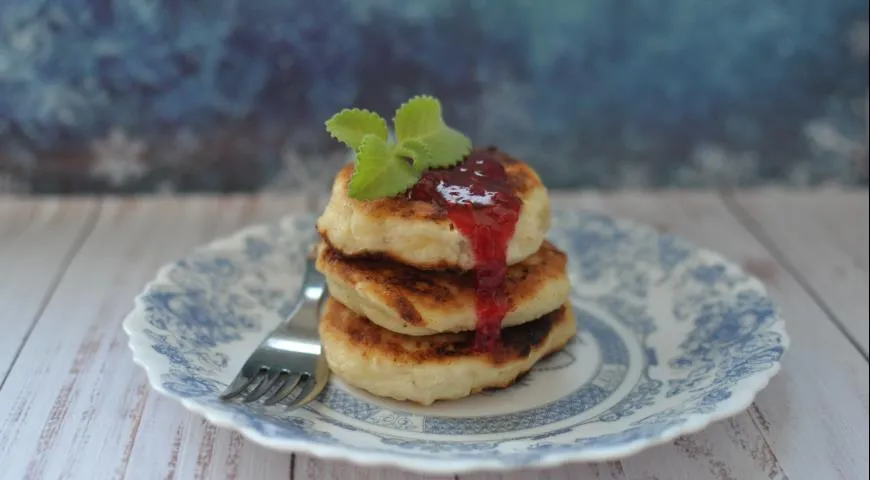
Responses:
[279,385]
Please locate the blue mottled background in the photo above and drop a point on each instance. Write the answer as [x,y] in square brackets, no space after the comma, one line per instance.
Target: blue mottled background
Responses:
[231,95]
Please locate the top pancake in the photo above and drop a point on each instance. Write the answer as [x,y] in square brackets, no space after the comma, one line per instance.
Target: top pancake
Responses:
[420,234]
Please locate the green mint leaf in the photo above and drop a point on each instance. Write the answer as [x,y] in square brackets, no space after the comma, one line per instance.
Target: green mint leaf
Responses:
[350,126]
[420,119]
[384,169]
[417,151]
[380,172]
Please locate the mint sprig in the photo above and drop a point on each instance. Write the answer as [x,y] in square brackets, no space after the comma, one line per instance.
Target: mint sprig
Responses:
[382,168]
[419,120]
[419,153]
[350,126]
[379,171]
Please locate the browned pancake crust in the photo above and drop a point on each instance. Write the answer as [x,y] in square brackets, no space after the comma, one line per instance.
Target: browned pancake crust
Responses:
[405,289]
[516,342]
[521,178]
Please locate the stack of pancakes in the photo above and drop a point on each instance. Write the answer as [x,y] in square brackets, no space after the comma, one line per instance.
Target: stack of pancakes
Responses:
[401,315]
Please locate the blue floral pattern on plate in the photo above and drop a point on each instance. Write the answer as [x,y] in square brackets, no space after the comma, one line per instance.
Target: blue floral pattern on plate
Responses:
[671,338]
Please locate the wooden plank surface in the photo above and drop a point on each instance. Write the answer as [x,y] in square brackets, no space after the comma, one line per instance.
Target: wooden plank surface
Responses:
[597,471]
[824,236]
[87,396]
[198,449]
[813,416]
[37,240]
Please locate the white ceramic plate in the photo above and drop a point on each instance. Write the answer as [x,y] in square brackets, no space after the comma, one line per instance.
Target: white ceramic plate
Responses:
[671,339]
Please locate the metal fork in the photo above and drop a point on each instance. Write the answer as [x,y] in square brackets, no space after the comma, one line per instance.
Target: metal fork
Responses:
[291,356]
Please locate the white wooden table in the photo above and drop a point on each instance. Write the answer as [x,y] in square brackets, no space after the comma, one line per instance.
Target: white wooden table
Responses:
[73,405]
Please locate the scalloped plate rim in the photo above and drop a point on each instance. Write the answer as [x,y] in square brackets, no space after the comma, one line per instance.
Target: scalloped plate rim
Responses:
[695,422]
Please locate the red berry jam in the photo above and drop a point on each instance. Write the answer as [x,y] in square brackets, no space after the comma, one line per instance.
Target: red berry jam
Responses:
[481,203]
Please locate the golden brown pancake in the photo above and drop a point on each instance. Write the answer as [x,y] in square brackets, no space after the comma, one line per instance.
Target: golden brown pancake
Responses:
[434,367]
[418,302]
[420,233]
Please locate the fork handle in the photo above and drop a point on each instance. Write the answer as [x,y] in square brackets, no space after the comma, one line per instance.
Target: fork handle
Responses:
[306,313]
